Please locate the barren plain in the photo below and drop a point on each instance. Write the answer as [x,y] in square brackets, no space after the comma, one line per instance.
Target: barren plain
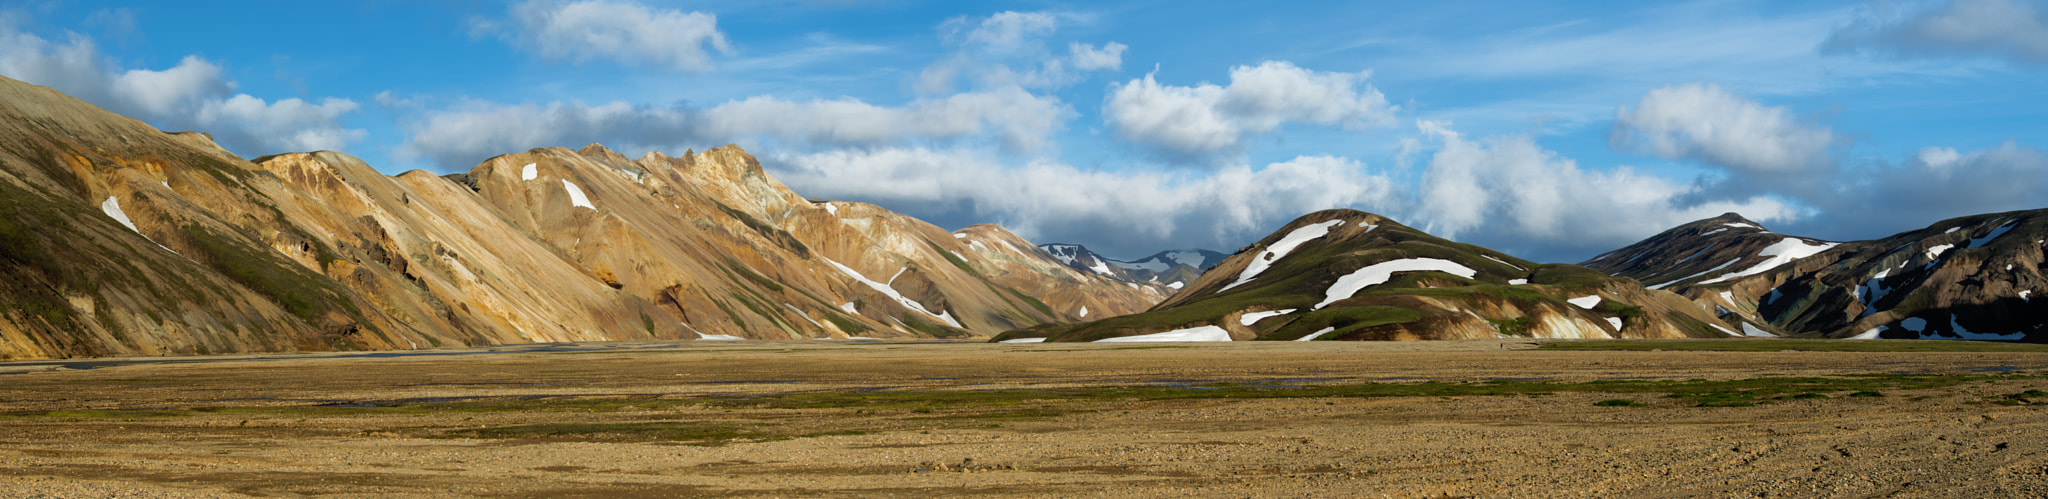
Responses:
[917,419]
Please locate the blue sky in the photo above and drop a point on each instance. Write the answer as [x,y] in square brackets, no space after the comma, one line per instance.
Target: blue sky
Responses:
[1553,130]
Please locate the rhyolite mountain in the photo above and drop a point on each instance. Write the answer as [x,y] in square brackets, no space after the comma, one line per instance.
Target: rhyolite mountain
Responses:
[1352,275]
[1971,277]
[1172,268]
[119,239]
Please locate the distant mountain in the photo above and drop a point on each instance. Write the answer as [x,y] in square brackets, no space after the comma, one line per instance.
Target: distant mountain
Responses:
[1972,277]
[1351,275]
[119,239]
[1172,268]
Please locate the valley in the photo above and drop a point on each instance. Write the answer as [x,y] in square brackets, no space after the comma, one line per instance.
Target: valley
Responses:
[900,418]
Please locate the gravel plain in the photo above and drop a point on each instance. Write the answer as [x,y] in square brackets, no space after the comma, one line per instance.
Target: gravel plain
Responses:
[918,419]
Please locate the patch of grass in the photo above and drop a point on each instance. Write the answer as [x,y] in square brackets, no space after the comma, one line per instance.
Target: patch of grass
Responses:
[955,259]
[1867,393]
[696,432]
[780,237]
[1345,319]
[1779,345]
[1028,300]
[1518,326]
[1620,403]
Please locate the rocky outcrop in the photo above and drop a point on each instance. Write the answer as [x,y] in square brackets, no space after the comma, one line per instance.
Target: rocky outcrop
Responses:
[1351,275]
[118,239]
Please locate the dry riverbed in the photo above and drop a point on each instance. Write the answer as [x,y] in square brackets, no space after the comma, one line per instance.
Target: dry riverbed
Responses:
[1315,419]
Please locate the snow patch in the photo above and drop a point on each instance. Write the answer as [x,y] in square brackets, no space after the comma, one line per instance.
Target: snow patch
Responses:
[834,210]
[1204,333]
[1250,318]
[530,172]
[1504,262]
[1966,334]
[718,337]
[576,195]
[1951,230]
[1280,249]
[1724,330]
[1101,268]
[112,207]
[1870,334]
[1585,302]
[1084,311]
[1317,334]
[957,235]
[1702,251]
[801,313]
[2000,231]
[1615,321]
[849,308]
[891,292]
[1935,252]
[1517,282]
[1783,252]
[1712,232]
[1378,273]
[1728,297]
[1743,226]
[1749,330]
[1024,340]
[2024,293]
[1175,284]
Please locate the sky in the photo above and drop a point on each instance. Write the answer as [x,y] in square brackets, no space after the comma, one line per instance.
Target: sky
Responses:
[1554,131]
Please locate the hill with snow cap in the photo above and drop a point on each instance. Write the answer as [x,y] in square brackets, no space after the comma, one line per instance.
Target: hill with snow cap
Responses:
[1352,275]
[1972,277]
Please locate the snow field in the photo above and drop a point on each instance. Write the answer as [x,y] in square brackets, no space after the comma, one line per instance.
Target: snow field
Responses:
[1378,273]
[1783,252]
[530,172]
[1254,317]
[1280,249]
[576,197]
[891,292]
[1317,334]
[1204,333]
[1586,302]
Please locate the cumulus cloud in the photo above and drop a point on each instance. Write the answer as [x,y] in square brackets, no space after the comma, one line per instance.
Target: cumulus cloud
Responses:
[2016,30]
[1207,118]
[1008,49]
[1935,184]
[1510,192]
[1705,123]
[1088,58]
[463,136]
[1121,213]
[621,31]
[193,95]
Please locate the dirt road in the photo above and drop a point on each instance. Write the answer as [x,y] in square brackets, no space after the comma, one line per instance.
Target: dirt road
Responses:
[1423,419]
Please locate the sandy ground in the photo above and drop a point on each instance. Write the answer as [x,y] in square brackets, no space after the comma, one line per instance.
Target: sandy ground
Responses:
[311,424]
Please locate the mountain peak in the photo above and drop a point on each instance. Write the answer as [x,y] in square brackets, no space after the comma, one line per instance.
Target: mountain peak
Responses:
[596,150]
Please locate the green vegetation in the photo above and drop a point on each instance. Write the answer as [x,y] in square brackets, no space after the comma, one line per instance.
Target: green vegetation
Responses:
[1780,345]
[1518,326]
[955,259]
[781,237]
[1346,320]
[1620,403]
[311,297]
[762,280]
[1042,308]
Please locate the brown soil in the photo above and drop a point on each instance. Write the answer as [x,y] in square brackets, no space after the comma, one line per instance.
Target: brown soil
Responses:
[718,419]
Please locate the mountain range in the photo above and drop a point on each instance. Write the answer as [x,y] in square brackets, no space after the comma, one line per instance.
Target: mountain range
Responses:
[119,239]
[1172,268]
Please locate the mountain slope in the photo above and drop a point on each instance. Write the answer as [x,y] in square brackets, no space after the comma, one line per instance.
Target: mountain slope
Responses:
[1351,275]
[1972,277]
[118,239]
[1171,268]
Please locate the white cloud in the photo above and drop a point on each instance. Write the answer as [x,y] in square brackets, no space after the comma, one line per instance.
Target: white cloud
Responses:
[1119,212]
[1259,99]
[1704,122]
[2002,28]
[1022,121]
[1938,183]
[1008,49]
[622,31]
[193,95]
[1089,58]
[460,137]
[1006,29]
[1508,189]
